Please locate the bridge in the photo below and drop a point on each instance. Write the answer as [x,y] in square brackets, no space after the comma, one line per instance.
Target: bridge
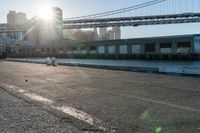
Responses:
[155,12]
[133,21]
[119,22]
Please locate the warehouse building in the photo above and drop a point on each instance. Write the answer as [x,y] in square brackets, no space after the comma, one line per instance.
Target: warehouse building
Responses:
[183,46]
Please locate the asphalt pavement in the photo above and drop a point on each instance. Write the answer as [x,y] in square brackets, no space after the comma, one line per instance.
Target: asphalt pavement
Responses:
[19,116]
[96,100]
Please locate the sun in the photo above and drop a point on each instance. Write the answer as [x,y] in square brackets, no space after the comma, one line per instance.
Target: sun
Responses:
[45,12]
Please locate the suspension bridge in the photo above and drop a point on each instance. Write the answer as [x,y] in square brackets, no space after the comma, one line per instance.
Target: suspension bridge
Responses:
[133,21]
[155,12]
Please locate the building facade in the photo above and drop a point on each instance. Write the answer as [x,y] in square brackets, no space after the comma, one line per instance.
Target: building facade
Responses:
[15,19]
[2,47]
[57,23]
[103,33]
[117,33]
[166,47]
[113,34]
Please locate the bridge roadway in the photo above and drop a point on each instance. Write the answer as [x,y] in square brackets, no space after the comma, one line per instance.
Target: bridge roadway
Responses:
[125,102]
[118,22]
[133,21]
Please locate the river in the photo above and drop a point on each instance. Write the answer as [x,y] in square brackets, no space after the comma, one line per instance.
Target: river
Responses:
[175,66]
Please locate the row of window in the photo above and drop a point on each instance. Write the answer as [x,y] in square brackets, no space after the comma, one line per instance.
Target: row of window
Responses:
[163,48]
[182,47]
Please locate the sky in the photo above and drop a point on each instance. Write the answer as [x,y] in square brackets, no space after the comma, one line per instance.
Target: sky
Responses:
[73,8]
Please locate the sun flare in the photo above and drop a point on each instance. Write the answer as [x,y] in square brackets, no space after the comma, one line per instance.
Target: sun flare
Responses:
[45,12]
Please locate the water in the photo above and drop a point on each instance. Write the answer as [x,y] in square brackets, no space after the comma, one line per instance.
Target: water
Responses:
[183,67]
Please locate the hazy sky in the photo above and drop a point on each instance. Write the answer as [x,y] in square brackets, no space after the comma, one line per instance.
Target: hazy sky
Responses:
[73,8]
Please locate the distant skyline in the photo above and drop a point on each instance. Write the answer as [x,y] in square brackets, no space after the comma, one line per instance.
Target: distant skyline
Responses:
[73,8]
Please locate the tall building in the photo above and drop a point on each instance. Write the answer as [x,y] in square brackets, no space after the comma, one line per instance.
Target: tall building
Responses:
[103,33]
[14,18]
[11,17]
[111,35]
[20,18]
[117,33]
[58,22]
[96,35]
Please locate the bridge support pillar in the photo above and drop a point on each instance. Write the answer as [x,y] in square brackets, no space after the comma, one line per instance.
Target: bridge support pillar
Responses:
[117,51]
[174,47]
[157,48]
[106,49]
[129,50]
[142,48]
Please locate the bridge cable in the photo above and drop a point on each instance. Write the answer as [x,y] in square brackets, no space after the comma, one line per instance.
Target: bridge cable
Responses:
[118,11]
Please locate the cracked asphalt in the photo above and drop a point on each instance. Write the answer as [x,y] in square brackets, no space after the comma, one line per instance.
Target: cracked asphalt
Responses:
[123,101]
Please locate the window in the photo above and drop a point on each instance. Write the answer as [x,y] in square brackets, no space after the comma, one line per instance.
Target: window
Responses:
[111,49]
[183,47]
[123,49]
[136,48]
[150,47]
[101,49]
[165,45]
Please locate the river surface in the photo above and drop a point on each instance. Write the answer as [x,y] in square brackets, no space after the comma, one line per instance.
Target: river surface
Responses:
[186,67]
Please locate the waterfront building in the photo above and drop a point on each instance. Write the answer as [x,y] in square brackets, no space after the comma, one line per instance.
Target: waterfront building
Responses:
[2,47]
[165,47]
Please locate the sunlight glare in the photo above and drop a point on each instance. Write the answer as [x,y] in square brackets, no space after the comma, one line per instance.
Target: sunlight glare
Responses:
[45,12]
